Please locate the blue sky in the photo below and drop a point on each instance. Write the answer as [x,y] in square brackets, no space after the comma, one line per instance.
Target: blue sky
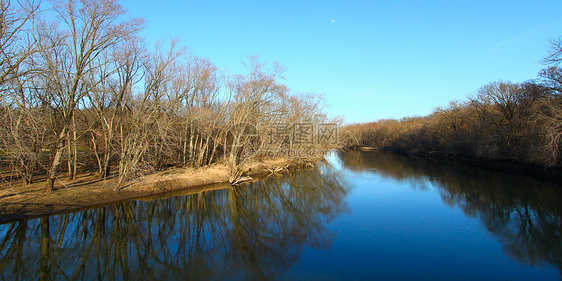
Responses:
[371,59]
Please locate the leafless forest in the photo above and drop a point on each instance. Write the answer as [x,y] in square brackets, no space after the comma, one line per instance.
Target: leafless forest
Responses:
[504,121]
[81,90]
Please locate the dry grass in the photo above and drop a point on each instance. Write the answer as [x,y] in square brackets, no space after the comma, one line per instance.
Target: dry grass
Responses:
[88,190]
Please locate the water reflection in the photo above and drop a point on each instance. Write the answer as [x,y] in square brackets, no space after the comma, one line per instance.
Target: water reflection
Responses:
[249,232]
[524,214]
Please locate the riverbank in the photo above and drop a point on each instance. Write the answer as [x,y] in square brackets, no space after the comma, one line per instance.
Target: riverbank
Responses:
[20,201]
[553,175]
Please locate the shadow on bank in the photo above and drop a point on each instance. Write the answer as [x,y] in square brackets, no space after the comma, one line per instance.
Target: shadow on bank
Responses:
[524,214]
[255,231]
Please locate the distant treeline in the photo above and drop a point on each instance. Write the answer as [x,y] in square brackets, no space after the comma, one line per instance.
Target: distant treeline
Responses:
[520,122]
[80,89]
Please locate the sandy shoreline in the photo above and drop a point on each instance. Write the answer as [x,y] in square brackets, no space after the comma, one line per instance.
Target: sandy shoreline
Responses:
[20,201]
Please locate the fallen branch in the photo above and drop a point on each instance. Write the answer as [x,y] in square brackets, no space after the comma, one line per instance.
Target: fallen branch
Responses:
[240,180]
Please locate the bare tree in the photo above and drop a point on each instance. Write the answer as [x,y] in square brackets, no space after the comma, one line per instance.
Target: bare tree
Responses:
[90,28]
[108,99]
[548,107]
[508,104]
[549,118]
[146,109]
[80,78]
[554,57]
[253,95]
[18,41]
[201,109]
[19,46]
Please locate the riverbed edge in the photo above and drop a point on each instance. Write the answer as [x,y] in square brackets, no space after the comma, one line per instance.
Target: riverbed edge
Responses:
[552,175]
[37,203]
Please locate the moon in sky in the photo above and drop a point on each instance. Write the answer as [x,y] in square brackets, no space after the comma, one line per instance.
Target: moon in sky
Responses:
[333,20]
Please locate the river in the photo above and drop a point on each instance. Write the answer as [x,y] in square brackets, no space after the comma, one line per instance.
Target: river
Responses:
[359,216]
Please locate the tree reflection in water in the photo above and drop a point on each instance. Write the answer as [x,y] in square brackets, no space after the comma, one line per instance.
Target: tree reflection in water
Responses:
[524,214]
[249,232]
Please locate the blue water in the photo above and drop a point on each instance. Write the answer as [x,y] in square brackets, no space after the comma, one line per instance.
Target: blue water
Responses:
[361,216]
[402,229]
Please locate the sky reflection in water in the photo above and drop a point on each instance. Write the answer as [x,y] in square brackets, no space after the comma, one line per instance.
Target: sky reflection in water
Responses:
[365,215]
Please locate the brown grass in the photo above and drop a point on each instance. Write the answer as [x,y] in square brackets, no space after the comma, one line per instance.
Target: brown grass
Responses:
[19,201]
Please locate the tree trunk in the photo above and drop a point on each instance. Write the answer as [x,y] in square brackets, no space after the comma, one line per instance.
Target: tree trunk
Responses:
[56,161]
[69,160]
[106,160]
[108,140]
[191,144]
[96,153]
[185,146]
[75,148]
